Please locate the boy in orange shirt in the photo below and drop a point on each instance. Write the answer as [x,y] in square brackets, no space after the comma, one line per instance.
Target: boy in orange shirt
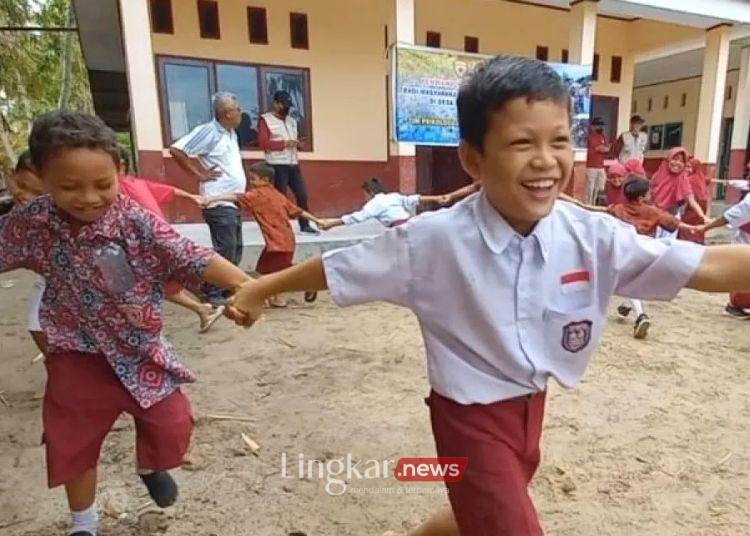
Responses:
[638,211]
[272,210]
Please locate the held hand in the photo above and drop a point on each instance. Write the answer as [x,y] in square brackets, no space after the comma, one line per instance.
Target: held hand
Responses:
[706,219]
[198,200]
[326,224]
[291,144]
[246,305]
[444,199]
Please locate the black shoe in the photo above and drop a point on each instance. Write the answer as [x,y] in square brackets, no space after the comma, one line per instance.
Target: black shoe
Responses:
[736,312]
[310,231]
[162,488]
[81,533]
[311,296]
[640,331]
[623,310]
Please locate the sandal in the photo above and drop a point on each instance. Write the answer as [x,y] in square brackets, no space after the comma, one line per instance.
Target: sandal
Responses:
[208,321]
[311,296]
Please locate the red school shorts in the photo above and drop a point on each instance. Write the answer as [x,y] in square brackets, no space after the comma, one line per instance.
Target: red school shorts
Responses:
[501,442]
[273,261]
[82,401]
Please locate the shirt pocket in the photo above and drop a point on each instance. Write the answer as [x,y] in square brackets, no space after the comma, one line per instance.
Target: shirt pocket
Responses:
[571,336]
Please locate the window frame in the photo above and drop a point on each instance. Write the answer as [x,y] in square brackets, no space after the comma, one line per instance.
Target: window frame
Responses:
[151,16]
[262,68]
[209,3]
[542,53]
[433,36]
[473,41]
[257,10]
[615,74]
[295,16]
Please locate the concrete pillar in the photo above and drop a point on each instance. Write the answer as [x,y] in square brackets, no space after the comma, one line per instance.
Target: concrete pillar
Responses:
[581,46]
[582,32]
[403,155]
[741,119]
[145,116]
[711,103]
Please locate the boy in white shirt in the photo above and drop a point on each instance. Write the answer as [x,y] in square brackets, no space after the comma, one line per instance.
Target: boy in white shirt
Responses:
[510,286]
[390,209]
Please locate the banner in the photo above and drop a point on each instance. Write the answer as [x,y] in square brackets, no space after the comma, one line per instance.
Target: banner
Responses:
[425,88]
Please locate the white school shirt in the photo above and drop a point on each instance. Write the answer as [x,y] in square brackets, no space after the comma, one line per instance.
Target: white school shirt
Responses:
[216,146]
[386,208]
[501,313]
[632,146]
[737,216]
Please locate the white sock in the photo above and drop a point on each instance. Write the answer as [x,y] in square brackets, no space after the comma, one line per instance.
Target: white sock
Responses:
[85,520]
[637,307]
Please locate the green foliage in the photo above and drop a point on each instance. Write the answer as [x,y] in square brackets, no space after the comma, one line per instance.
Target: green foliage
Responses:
[32,69]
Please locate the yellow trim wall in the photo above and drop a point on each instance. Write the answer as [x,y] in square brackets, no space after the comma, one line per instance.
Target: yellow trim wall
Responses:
[675,112]
[346,59]
[347,55]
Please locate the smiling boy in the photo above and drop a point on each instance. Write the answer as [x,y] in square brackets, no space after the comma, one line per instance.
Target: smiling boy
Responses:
[510,287]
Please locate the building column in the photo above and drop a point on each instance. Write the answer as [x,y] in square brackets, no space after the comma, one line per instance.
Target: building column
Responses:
[581,46]
[145,116]
[741,129]
[403,155]
[711,102]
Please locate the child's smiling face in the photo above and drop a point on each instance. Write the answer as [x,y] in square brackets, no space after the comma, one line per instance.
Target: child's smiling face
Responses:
[82,182]
[526,161]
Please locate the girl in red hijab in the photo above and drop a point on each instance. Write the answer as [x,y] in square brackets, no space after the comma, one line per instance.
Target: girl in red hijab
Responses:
[616,175]
[671,189]
[699,183]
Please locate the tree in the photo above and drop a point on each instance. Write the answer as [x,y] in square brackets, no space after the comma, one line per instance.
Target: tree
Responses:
[39,70]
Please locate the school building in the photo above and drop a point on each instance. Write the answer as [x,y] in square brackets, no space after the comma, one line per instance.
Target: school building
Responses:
[153,64]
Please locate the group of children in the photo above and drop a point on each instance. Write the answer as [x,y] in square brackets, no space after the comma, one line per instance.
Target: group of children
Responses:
[510,287]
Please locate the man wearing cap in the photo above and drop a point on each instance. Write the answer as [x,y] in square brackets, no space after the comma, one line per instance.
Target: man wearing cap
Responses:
[632,144]
[596,176]
[277,136]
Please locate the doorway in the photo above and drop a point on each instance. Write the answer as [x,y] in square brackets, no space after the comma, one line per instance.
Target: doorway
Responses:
[608,108]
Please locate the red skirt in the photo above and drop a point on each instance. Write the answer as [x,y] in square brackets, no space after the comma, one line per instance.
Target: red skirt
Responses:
[274,261]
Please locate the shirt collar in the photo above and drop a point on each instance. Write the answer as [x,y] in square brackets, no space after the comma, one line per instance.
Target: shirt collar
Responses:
[219,127]
[497,233]
[108,226]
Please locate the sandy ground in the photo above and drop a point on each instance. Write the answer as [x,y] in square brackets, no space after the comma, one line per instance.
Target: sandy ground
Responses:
[653,441]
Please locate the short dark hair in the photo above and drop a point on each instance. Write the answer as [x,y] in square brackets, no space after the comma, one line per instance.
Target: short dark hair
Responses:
[499,80]
[124,157]
[373,186]
[635,187]
[24,162]
[261,169]
[60,130]
[636,119]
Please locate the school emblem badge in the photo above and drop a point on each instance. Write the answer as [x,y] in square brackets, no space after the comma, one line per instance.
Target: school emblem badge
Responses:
[576,335]
[460,68]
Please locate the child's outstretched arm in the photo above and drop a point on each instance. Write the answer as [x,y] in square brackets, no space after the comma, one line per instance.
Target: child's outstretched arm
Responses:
[198,200]
[216,198]
[461,193]
[252,294]
[723,269]
[330,223]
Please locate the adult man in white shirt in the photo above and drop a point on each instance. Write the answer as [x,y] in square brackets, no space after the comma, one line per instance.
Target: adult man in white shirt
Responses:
[210,153]
[278,136]
[632,144]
